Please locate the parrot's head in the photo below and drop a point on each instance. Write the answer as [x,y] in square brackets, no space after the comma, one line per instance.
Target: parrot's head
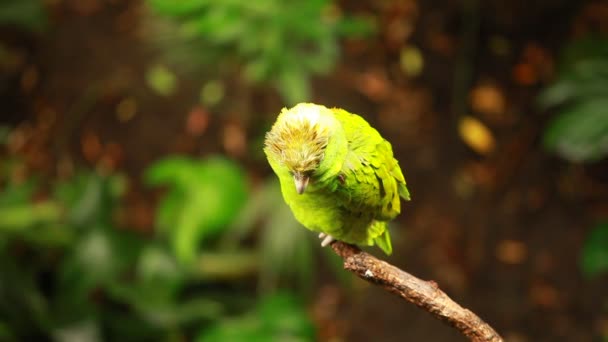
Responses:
[298,141]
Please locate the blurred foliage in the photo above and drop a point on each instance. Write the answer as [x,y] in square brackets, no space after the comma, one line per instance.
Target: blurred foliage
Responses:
[286,247]
[161,80]
[29,15]
[276,318]
[203,198]
[579,132]
[283,43]
[71,274]
[595,251]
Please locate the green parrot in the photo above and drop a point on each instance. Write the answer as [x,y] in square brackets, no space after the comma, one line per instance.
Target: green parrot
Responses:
[337,174]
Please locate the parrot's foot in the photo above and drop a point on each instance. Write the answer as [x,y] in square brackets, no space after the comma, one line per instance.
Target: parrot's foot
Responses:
[327,239]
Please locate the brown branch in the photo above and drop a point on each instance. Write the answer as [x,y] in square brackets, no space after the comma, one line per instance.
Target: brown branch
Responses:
[424,294]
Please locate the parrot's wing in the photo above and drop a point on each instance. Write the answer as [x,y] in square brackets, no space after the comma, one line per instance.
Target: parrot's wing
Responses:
[370,177]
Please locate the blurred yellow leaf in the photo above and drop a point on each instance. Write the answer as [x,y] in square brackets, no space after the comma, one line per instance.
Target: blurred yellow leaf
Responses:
[162,80]
[476,135]
[411,60]
[212,93]
[126,109]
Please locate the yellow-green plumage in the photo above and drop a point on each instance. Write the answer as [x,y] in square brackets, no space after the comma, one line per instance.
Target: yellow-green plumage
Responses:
[337,174]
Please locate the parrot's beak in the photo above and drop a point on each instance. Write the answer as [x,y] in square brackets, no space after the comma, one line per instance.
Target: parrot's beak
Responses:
[301,182]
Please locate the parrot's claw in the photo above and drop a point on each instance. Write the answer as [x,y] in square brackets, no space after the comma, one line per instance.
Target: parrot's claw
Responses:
[327,240]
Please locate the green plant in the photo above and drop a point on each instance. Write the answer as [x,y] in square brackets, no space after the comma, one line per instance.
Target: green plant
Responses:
[286,249]
[202,200]
[579,132]
[68,239]
[594,258]
[69,273]
[29,15]
[277,317]
[280,42]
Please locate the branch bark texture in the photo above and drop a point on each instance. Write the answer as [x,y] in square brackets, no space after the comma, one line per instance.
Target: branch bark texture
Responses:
[424,294]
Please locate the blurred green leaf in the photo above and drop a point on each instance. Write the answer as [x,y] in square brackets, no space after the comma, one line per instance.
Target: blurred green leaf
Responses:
[257,70]
[356,27]
[35,222]
[5,332]
[580,132]
[284,313]
[87,330]
[85,200]
[155,293]
[90,198]
[294,86]
[202,199]
[411,60]
[20,217]
[584,79]
[98,260]
[5,130]
[591,47]
[227,265]
[170,171]
[94,262]
[157,266]
[162,80]
[277,317]
[595,251]
[185,312]
[285,245]
[158,281]
[166,312]
[18,194]
[25,14]
[23,307]
[212,93]
[178,8]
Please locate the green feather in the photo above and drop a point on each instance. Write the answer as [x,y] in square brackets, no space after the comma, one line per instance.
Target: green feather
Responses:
[355,182]
[384,241]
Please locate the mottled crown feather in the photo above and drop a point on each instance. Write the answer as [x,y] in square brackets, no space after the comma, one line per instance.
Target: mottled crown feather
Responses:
[299,137]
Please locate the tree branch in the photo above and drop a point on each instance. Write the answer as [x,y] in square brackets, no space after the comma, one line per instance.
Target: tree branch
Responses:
[424,294]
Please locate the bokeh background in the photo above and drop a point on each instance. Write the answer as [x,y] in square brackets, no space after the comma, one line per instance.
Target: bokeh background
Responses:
[136,203]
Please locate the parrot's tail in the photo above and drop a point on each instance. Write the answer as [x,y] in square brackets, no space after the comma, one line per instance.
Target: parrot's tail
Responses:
[384,240]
